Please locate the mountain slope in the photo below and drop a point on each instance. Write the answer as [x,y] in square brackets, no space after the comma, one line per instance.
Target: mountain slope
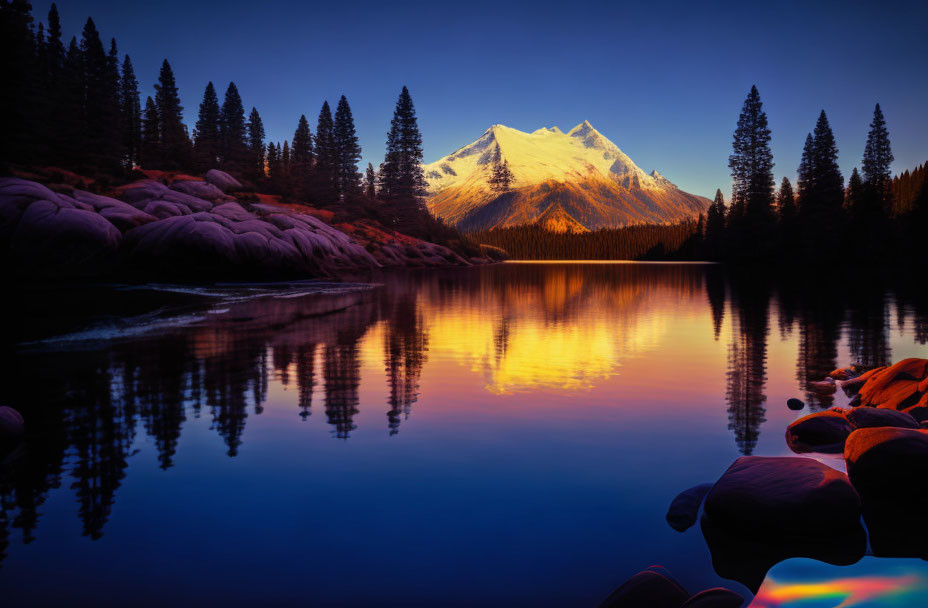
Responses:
[577,180]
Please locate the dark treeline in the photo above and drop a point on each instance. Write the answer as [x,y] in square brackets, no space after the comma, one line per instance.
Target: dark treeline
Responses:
[77,106]
[647,242]
[873,218]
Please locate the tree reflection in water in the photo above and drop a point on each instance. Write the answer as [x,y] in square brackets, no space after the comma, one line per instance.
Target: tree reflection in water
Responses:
[86,404]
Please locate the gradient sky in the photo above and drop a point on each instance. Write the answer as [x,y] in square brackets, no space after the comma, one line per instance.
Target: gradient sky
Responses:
[664,81]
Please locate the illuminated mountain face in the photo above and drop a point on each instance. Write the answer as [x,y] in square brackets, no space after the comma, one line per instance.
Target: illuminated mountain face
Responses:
[574,181]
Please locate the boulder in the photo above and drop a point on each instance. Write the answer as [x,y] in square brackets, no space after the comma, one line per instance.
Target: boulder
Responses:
[684,510]
[795,404]
[781,495]
[898,386]
[824,387]
[647,588]
[867,417]
[11,424]
[887,467]
[823,432]
[203,190]
[845,373]
[718,597]
[764,510]
[222,180]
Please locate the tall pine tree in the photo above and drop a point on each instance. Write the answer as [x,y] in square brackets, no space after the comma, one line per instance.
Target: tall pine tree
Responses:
[878,154]
[150,144]
[325,173]
[751,164]
[232,131]
[255,145]
[174,145]
[401,178]
[131,109]
[347,151]
[101,101]
[302,157]
[821,192]
[206,132]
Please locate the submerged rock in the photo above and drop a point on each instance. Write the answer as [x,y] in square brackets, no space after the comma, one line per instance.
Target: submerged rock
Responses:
[647,588]
[657,588]
[684,510]
[717,597]
[795,404]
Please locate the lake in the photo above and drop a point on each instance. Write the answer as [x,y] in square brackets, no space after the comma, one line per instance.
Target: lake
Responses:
[500,435]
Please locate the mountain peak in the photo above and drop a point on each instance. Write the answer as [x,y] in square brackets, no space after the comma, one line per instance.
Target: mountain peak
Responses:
[595,184]
[582,130]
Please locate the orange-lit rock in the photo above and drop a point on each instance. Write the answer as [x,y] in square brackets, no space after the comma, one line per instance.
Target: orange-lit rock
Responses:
[819,432]
[898,386]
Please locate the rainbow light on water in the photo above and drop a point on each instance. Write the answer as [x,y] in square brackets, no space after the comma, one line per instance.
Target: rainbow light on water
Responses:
[845,592]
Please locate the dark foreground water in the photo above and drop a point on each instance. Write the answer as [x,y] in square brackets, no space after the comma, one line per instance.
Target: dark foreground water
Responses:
[508,435]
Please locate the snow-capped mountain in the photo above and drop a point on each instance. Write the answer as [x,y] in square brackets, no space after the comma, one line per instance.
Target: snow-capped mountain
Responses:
[574,181]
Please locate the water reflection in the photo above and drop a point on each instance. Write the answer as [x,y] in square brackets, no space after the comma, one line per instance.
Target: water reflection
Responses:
[523,329]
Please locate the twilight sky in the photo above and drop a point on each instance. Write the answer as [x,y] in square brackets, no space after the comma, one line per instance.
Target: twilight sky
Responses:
[664,81]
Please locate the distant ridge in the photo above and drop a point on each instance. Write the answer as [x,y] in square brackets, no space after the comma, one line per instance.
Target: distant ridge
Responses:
[575,181]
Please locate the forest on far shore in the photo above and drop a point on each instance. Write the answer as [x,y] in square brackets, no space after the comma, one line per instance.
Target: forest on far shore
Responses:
[873,219]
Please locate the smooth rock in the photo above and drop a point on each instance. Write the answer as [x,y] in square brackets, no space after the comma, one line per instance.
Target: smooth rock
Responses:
[867,417]
[783,495]
[718,597]
[823,432]
[647,589]
[222,180]
[887,467]
[684,510]
[203,190]
[795,404]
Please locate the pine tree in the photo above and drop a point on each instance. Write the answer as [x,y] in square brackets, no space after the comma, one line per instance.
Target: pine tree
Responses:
[233,148]
[273,165]
[829,183]
[206,132]
[325,178]
[751,164]
[54,84]
[301,157]
[131,110]
[347,150]
[854,194]
[370,182]
[500,176]
[150,145]
[100,100]
[401,177]
[19,91]
[821,195]
[786,202]
[174,144]
[715,226]
[72,135]
[878,154]
[256,145]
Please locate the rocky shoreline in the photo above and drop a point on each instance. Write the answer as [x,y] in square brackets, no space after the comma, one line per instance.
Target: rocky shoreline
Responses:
[764,510]
[180,227]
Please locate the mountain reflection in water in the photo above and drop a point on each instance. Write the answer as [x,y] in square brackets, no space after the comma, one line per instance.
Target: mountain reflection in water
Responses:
[531,336]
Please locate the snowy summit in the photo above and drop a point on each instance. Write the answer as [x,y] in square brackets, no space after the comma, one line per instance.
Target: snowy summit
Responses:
[577,180]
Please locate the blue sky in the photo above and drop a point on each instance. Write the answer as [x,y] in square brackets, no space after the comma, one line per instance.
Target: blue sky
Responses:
[664,81]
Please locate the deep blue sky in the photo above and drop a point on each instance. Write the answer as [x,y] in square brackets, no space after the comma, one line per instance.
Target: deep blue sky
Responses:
[664,81]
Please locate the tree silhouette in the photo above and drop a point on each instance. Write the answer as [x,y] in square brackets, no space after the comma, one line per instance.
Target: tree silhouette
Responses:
[206,136]
[347,151]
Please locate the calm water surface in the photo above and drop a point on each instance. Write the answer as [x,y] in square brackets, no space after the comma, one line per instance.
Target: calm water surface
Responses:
[507,435]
